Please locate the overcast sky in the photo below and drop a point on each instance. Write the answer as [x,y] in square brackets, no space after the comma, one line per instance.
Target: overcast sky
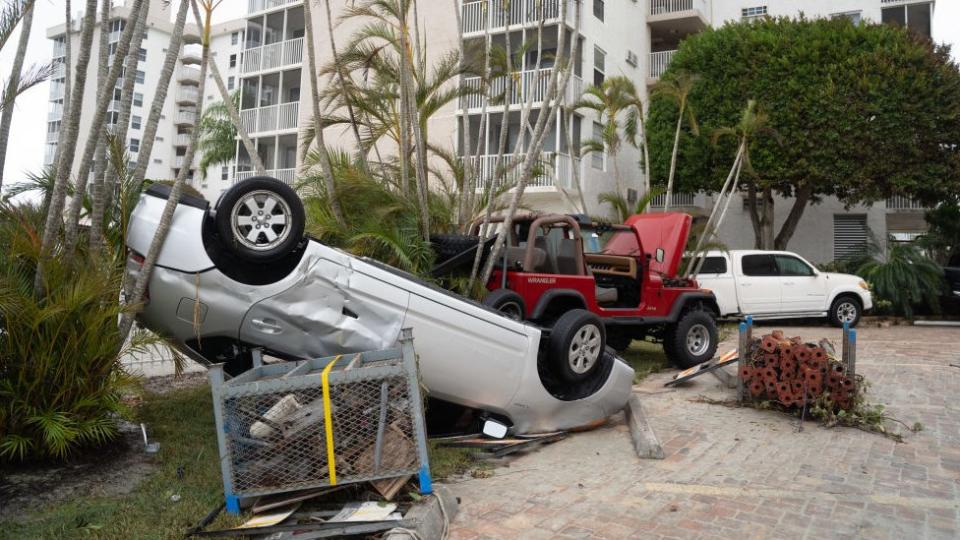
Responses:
[25,153]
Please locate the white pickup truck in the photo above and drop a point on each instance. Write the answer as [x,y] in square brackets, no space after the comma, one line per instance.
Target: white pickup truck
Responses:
[781,285]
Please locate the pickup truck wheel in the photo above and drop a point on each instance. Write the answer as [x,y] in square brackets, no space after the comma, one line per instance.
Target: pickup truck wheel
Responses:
[507,302]
[691,340]
[260,219]
[577,342]
[845,309]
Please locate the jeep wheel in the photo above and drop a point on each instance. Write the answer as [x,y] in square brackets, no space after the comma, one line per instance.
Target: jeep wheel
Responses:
[260,219]
[691,340]
[577,342]
[507,302]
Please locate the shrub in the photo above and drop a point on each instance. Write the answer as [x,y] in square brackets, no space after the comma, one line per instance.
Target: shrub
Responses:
[905,277]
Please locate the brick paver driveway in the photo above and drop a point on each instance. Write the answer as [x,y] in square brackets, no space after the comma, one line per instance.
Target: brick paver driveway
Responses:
[742,473]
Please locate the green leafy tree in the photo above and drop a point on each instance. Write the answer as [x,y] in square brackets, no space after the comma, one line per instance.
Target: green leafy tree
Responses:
[905,277]
[218,135]
[863,112]
[942,240]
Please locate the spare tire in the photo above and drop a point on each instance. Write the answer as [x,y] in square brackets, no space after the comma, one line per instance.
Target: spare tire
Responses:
[260,219]
[507,302]
[577,342]
[447,246]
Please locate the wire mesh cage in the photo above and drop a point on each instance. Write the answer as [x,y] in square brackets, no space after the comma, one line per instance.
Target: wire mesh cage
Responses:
[320,422]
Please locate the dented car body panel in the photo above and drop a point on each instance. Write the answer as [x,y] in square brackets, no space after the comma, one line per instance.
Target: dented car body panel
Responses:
[334,303]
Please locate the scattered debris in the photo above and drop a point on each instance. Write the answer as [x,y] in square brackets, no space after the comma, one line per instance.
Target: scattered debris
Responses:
[713,367]
[148,447]
[499,447]
[645,441]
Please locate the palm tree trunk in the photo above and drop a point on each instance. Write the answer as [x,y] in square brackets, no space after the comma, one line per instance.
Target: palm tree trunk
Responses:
[68,141]
[347,94]
[66,89]
[465,139]
[100,168]
[166,218]
[104,200]
[412,114]
[326,170]
[160,97]
[673,161]
[645,186]
[231,108]
[6,118]
[97,130]
[574,169]
[551,103]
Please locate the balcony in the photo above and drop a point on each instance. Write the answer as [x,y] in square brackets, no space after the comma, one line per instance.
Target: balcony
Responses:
[185,118]
[285,116]
[526,84]
[478,15]
[179,161]
[287,176]
[188,95]
[59,49]
[678,200]
[899,203]
[57,90]
[678,17]
[53,137]
[188,75]
[59,71]
[255,6]
[182,139]
[273,56]
[55,113]
[659,61]
[557,170]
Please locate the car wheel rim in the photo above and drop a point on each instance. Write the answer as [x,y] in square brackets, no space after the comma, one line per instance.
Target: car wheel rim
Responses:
[698,340]
[512,311]
[584,349]
[847,312]
[260,220]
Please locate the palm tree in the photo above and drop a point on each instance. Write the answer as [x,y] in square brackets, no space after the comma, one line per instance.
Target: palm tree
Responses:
[347,96]
[621,206]
[218,135]
[229,106]
[166,218]
[318,124]
[160,97]
[677,88]
[611,101]
[97,131]
[13,83]
[68,141]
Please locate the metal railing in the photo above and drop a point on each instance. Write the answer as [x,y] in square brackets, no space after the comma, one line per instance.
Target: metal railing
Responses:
[178,161]
[900,202]
[678,199]
[271,118]
[254,6]
[182,139]
[554,169]
[287,176]
[523,85]
[53,137]
[478,15]
[188,94]
[659,61]
[186,117]
[273,56]
[57,90]
[59,71]
[663,7]
[189,74]
[59,49]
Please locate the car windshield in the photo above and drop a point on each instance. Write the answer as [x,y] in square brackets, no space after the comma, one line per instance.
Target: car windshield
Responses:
[611,242]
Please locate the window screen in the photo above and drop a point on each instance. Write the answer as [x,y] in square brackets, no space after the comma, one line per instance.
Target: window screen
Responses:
[849,235]
[759,265]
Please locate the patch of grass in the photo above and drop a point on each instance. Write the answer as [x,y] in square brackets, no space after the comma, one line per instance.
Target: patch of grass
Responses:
[446,462]
[645,358]
[182,421]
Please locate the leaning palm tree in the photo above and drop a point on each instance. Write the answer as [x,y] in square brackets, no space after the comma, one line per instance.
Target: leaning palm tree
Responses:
[621,206]
[611,101]
[677,88]
[13,87]
[218,135]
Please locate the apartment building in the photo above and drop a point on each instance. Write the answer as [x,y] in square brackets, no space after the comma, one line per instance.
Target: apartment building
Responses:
[828,230]
[179,114]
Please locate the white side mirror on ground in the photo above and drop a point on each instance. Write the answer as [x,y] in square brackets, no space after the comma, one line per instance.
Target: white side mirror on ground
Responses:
[492,428]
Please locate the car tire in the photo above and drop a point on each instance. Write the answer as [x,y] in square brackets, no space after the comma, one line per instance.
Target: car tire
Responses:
[577,343]
[447,246]
[507,302]
[845,308]
[692,340]
[260,219]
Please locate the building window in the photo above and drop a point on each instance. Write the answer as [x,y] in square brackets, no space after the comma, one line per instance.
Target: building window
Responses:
[224,173]
[753,12]
[157,160]
[230,83]
[598,9]
[140,77]
[134,145]
[599,66]
[916,17]
[137,99]
[849,235]
[142,54]
[135,122]
[598,158]
[854,17]
[233,60]
[234,38]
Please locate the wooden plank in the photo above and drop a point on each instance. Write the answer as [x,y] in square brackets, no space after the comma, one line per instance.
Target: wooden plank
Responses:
[645,441]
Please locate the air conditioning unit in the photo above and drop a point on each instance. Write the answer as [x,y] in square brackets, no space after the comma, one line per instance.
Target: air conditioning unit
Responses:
[632,58]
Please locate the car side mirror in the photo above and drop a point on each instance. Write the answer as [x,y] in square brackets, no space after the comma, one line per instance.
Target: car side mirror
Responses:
[660,255]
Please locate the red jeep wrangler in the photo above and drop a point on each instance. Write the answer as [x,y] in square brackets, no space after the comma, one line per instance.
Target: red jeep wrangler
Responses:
[561,270]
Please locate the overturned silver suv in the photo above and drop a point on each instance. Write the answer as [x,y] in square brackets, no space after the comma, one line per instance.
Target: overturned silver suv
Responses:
[242,276]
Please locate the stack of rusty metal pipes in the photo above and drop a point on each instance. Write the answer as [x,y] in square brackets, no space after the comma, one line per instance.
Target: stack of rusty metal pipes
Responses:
[795,373]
